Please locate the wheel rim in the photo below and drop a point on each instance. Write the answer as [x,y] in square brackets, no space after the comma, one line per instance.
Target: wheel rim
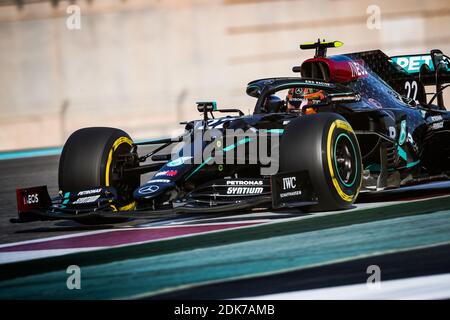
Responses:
[345,160]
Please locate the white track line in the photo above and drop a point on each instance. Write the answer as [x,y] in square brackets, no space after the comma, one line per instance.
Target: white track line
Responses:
[6,258]
[417,288]
[16,256]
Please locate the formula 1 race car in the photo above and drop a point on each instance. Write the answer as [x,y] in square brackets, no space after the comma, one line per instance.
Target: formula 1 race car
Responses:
[350,123]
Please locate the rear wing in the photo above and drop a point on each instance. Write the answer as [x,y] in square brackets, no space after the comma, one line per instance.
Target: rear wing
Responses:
[431,69]
[412,64]
[409,74]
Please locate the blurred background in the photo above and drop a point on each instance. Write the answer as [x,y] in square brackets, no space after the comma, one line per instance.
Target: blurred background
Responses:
[140,65]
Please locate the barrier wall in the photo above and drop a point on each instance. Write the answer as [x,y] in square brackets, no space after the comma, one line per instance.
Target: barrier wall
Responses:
[141,65]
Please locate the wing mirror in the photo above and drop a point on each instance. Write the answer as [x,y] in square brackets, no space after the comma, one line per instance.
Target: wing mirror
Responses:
[207,106]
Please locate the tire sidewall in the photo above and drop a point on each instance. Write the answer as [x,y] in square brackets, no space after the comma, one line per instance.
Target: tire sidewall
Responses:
[339,130]
[88,158]
[308,144]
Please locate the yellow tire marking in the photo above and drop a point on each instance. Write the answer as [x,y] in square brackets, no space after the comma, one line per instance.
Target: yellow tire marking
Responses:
[345,126]
[115,145]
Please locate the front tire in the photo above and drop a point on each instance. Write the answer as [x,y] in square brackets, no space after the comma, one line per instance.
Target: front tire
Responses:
[91,158]
[325,145]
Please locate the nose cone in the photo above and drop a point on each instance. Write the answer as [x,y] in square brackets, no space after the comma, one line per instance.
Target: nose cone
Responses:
[153,189]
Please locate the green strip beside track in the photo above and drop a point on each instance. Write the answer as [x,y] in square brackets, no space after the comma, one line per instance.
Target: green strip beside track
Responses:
[151,275]
[263,231]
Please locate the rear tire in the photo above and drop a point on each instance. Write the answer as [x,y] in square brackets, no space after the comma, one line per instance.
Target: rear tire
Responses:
[325,145]
[89,160]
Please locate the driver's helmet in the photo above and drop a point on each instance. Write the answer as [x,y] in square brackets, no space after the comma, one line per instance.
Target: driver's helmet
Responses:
[303,99]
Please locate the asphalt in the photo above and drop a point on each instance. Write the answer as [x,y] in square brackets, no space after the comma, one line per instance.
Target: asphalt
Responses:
[28,172]
[136,271]
[412,263]
[293,246]
[43,170]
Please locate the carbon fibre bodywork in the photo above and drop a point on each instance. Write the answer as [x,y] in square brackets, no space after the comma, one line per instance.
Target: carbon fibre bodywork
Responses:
[402,139]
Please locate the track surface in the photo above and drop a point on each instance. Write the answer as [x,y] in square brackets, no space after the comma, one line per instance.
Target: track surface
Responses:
[16,173]
[21,173]
[271,255]
[418,262]
[26,172]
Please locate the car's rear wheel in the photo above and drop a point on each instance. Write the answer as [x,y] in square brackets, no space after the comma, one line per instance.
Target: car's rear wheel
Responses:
[325,145]
[94,157]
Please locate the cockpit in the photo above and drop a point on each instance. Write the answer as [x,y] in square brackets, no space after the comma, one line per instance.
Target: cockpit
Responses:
[301,100]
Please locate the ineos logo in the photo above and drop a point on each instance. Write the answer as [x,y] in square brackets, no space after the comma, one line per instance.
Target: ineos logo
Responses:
[289,183]
[357,69]
[31,198]
[149,189]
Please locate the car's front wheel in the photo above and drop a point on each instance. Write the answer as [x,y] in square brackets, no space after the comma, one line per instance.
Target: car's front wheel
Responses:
[94,157]
[325,145]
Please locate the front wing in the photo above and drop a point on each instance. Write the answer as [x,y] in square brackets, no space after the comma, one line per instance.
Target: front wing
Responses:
[220,196]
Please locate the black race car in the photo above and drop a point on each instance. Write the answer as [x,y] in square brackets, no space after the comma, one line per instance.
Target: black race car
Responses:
[350,123]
